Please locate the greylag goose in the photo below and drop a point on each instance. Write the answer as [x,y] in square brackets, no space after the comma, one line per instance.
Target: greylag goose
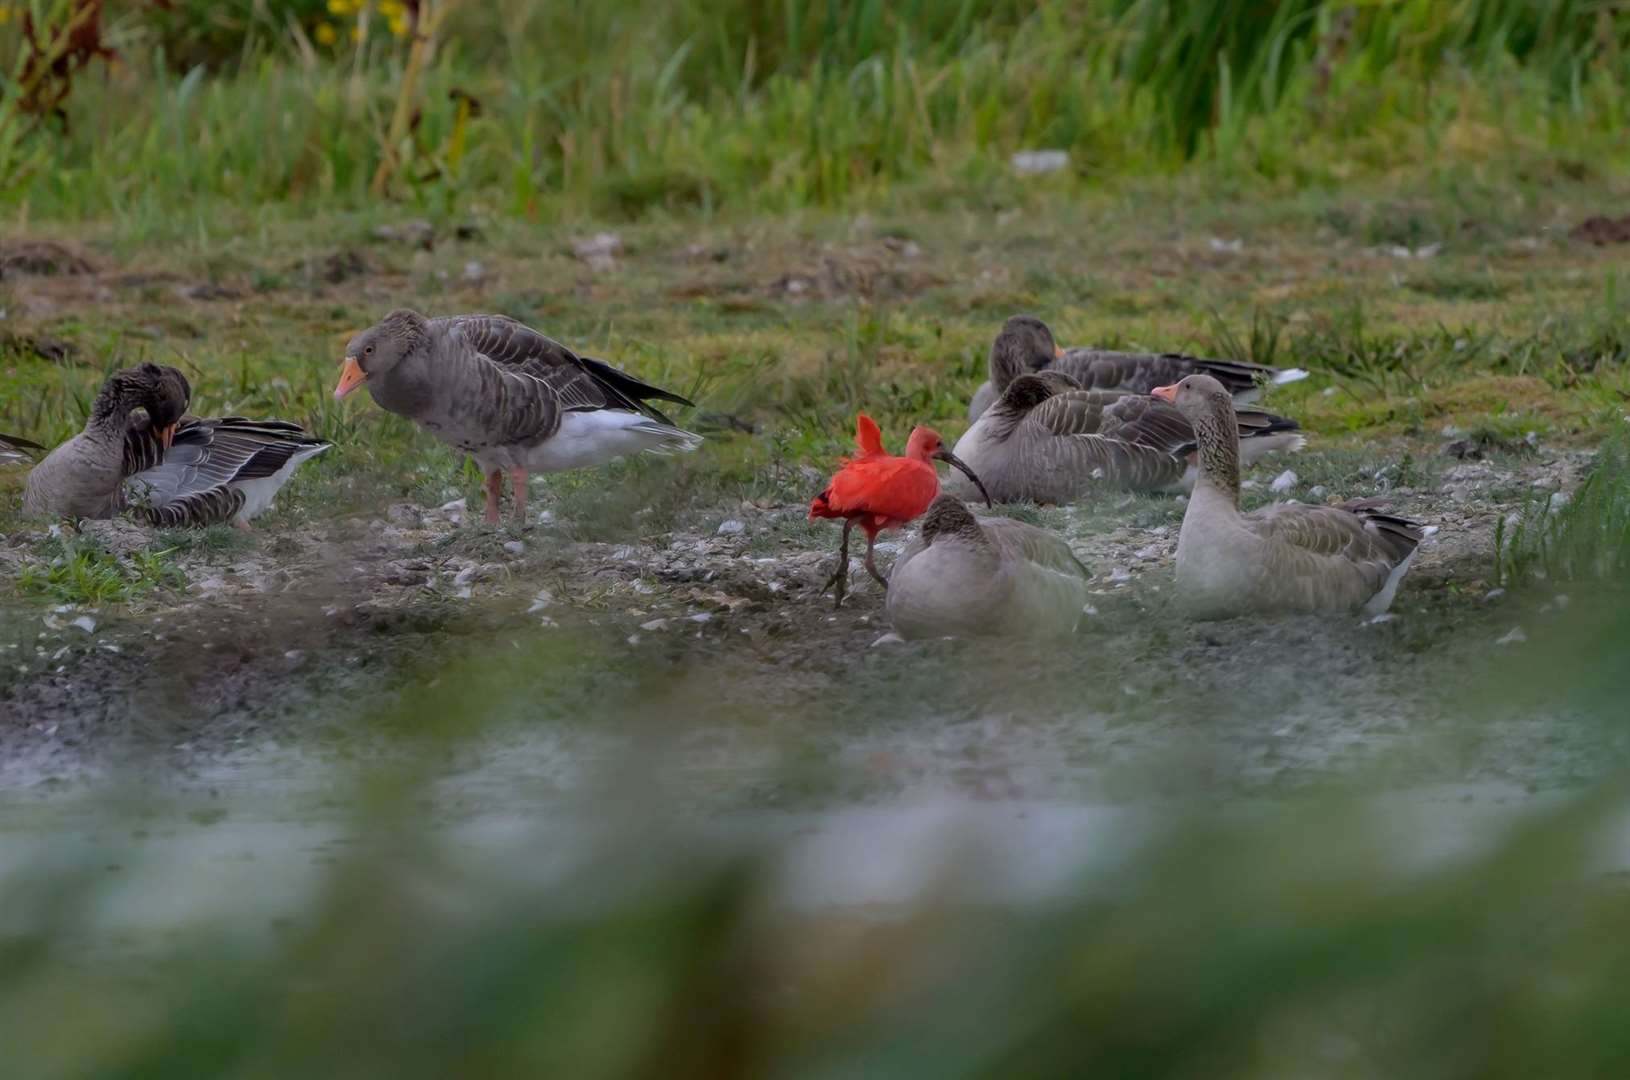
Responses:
[171,470]
[82,478]
[964,575]
[1026,344]
[1050,442]
[16,448]
[513,399]
[221,470]
[1283,557]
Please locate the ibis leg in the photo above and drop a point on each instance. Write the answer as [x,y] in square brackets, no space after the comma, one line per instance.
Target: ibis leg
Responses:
[840,576]
[871,567]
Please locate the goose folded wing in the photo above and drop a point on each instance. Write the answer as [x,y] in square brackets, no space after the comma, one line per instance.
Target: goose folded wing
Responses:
[1034,545]
[1090,459]
[1321,530]
[209,454]
[574,382]
[1148,421]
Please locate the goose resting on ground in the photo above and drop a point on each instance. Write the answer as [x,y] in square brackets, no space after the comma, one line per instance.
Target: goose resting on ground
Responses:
[965,575]
[1284,557]
[516,401]
[1025,344]
[172,471]
[82,478]
[1047,441]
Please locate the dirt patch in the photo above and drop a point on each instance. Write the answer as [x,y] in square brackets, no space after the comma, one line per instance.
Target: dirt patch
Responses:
[37,346]
[1602,230]
[42,258]
[299,636]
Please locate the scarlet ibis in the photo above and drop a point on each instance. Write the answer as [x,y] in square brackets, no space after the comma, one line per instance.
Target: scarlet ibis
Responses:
[881,491]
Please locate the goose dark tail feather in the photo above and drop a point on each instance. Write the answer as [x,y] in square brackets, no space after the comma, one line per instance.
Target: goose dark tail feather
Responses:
[633,393]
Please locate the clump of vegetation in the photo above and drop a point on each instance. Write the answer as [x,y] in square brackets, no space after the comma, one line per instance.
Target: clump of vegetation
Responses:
[78,571]
[1582,537]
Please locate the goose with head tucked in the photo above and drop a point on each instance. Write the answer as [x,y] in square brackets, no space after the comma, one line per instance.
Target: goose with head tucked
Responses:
[83,477]
[1287,557]
[1048,441]
[967,576]
[516,401]
[167,468]
[1026,344]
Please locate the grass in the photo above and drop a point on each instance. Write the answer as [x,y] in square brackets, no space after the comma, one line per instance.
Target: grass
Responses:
[1581,537]
[80,572]
[771,107]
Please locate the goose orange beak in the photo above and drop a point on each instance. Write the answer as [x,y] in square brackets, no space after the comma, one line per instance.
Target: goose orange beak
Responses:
[166,435]
[1165,393]
[1058,352]
[351,377]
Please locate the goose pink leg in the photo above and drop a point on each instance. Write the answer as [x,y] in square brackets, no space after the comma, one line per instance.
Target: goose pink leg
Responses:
[495,485]
[517,486]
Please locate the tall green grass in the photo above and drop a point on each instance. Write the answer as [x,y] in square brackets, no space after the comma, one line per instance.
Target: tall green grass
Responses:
[619,109]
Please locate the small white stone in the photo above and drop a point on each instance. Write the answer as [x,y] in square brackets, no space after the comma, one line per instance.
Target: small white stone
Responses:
[1120,574]
[633,639]
[541,601]
[1318,492]
[465,593]
[890,638]
[655,624]
[1284,482]
[514,547]
[1493,594]
[546,517]
[1562,600]
[1039,162]
[85,623]
[474,271]
[1384,617]
[701,617]
[1557,501]
[1514,636]
[450,507]
[731,527]
[1149,553]
[466,575]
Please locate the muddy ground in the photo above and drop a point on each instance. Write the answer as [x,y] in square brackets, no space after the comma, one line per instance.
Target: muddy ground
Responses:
[352,638]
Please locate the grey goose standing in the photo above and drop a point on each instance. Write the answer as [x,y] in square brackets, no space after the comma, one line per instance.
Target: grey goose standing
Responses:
[1283,557]
[1048,441]
[1026,344]
[170,469]
[963,575]
[516,401]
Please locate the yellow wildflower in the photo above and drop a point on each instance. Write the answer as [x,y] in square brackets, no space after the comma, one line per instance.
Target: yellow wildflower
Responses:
[391,8]
[340,8]
[5,14]
[356,33]
[399,25]
[325,34]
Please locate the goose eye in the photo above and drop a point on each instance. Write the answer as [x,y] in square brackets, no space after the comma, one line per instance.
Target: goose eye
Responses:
[369,351]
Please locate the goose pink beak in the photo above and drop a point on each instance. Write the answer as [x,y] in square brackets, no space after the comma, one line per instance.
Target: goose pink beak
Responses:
[351,377]
[1058,352]
[1166,393]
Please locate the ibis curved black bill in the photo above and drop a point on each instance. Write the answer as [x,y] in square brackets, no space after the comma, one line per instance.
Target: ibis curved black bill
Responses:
[956,462]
